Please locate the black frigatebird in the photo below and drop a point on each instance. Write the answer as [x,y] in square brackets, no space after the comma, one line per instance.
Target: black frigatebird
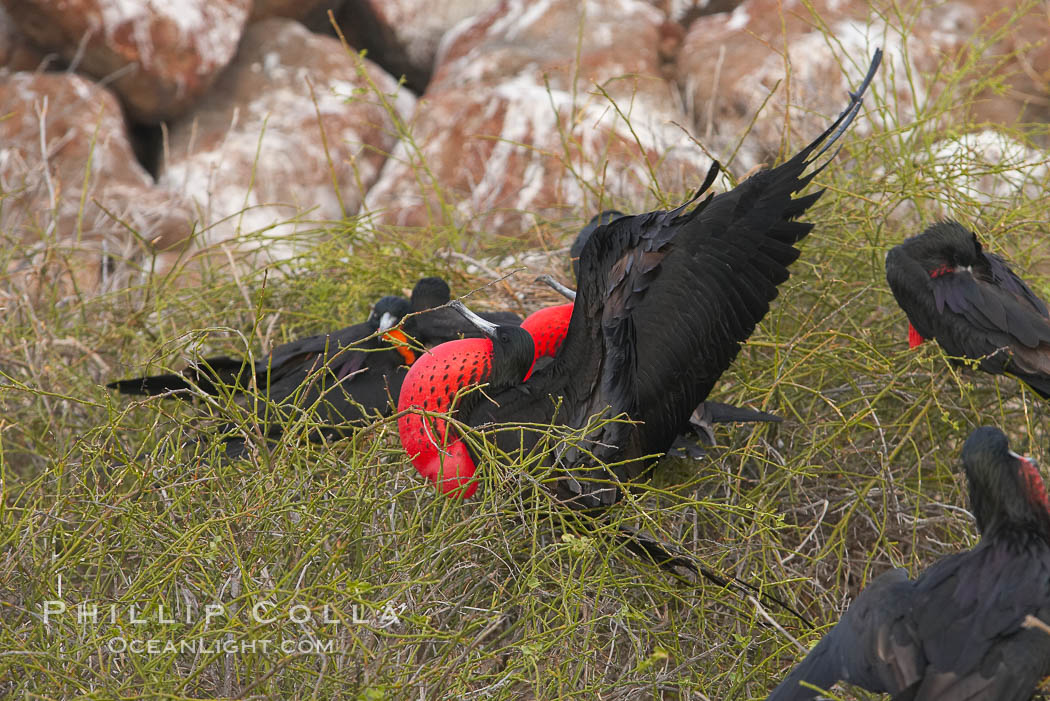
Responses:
[971,303]
[961,630]
[549,326]
[665,299]
[350,375]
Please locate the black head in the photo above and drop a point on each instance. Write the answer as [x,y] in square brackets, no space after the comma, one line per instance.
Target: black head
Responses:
[513,350]
[430,292]
[1006,489]
[600,219]
[946,244]
[388,311]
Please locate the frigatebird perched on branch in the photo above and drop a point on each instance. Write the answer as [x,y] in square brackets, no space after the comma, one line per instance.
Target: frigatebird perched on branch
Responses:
[971,303]
[961,630]
[350,375]
[665,299]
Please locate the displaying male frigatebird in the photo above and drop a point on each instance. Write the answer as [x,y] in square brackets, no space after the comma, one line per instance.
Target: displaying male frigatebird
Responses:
[960,631]
[665,299]
[349,375]
[971,303]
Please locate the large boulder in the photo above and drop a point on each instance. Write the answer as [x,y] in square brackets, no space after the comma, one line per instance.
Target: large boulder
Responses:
[750,102]
[17,51]
[75,198]
[310,12]
[541,110]
[769,75]
[293,133]
[403,35]
[159,56]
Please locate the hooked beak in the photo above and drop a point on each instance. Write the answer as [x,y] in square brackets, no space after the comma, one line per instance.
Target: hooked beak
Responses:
[557,287]
[387,321]
[485,327]
[1023,458]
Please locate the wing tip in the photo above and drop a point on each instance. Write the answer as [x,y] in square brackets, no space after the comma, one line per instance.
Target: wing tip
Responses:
[834,132]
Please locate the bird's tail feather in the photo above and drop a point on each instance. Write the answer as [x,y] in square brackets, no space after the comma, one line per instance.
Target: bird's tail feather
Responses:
[719,413]
[208,375]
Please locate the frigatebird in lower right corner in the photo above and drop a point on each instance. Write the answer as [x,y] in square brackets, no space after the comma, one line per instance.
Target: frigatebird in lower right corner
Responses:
[974,625]
[971,303]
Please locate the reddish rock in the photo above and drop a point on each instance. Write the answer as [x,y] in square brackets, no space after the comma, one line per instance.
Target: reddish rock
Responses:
[985,167]
[158,55]
[731,67]
[1024,55]
[87,204]
[292,113]
[519,37]
[403,35]
[311,12]
[17,52]
[685,11]
[512,128]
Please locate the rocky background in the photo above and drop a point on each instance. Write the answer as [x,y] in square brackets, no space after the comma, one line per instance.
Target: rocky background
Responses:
[140,130]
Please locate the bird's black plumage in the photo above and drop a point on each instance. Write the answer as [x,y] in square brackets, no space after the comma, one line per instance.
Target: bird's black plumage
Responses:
[958,631]
[708,413]
[971,303]
[600,219]
[664,301]
[348,376]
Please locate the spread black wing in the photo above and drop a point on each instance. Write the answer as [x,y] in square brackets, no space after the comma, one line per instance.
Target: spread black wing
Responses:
[671,297]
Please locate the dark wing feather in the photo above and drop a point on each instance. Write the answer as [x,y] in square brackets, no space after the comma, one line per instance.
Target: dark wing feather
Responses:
[969,610]
[954,634]
[872,645]
[666,339]
[343,352]
[1004,277]
[294,359]
[206,375]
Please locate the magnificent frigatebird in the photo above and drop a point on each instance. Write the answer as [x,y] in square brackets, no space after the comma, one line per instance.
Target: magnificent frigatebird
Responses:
[349,375]
[665,299]
[961,630]
[971,303]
